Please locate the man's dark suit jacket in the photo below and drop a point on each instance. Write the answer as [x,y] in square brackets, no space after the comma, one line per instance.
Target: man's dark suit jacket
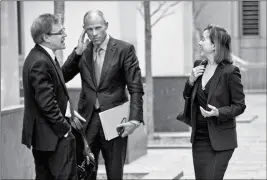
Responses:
[226,94]
[45,98]
[120,68]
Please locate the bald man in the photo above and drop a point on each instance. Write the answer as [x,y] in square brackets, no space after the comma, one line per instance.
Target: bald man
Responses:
[106,67]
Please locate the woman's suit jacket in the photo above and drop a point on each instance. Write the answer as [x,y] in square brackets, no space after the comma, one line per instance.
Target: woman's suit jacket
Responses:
[226,94]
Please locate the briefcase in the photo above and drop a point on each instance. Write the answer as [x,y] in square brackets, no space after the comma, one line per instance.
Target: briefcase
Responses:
[85,158]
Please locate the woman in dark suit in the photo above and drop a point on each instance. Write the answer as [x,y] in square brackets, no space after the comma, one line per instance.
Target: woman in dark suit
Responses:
[216,97]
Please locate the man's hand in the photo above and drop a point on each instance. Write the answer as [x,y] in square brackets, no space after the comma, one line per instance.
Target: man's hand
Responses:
[129,128]
[81,44]
[213,112]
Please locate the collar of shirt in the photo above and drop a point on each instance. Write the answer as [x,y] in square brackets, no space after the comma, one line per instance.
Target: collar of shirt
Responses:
[104,44]
[49,51]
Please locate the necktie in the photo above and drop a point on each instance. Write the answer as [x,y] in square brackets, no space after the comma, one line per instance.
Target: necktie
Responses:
[97,65]
[57,63]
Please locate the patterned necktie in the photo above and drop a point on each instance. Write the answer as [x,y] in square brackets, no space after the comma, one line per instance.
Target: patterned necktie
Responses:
[97,64]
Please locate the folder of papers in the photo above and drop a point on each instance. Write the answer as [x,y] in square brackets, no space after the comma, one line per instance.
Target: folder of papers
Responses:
[113,117]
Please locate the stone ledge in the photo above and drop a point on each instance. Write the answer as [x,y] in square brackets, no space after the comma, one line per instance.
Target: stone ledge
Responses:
[131,176]
[181,146]
[246,118]
[172,134]
[164,175]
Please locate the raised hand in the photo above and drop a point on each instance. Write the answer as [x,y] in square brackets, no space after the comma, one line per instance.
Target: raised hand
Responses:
[196,72]
[81,44]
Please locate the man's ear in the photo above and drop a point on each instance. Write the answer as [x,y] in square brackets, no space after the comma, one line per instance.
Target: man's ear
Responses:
[106,25]
[45,38]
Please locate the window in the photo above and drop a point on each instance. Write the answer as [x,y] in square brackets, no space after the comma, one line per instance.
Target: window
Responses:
[250,18]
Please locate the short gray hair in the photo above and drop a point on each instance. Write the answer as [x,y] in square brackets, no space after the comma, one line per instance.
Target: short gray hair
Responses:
[43,25]
[99,13]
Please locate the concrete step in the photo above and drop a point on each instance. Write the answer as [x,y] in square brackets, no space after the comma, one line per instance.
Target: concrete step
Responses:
[162,146]
[246,118]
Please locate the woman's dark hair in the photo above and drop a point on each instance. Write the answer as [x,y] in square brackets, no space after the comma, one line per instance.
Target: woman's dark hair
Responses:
[222,41]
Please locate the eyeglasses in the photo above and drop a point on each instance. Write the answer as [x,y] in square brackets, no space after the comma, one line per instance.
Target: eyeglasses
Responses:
[61,32]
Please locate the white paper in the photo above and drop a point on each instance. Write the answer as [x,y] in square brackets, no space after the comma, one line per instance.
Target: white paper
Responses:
[113,117]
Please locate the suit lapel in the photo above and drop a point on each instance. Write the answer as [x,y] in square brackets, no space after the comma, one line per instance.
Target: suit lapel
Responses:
[59,72]
[110,52]
[57,69]
[194,92]
[214,81]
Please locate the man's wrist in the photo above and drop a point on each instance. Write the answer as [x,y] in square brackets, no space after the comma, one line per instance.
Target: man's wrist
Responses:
[217,113]
[66,135]
[78,52]
[135,122]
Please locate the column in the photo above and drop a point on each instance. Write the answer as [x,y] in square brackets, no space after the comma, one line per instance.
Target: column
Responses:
[9,55]
[235,27]
[188,36]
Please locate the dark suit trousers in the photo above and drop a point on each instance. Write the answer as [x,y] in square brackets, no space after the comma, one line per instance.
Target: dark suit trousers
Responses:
[59,164]
[113,151]
[209,164]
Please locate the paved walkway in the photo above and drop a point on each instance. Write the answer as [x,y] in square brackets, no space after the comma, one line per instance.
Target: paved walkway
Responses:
[248,161]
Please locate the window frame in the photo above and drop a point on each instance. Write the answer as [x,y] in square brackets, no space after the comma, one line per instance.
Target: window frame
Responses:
[241,21]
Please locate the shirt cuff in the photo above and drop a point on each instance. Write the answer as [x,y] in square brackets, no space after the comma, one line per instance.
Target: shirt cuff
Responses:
[68,114]
[66,134]
[135,122]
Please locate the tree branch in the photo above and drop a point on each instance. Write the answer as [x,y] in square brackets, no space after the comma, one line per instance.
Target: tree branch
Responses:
[199,10]
[160,5]
[174,4]
[164,13]
[161,17]
[140,9]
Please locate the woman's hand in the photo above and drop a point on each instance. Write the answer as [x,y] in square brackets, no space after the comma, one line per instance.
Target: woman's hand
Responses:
[213,112]
[196,72]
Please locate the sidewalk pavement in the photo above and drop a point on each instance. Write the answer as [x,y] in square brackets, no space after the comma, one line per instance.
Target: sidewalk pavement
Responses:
[248,160]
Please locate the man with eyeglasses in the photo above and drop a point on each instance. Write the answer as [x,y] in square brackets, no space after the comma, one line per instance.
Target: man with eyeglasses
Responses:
[106,67]
[45,123]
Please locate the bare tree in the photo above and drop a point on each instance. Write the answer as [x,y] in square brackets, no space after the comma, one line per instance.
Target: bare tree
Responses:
[162,10]
[59,11]
[196,27]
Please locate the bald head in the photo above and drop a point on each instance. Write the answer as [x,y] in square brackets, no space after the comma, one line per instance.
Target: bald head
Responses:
[95,26]
[94,15]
